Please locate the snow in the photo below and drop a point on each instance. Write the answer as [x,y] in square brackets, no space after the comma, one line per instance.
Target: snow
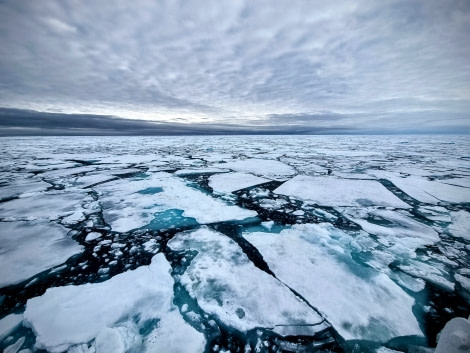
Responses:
[9,323]
[223,290]
[360,303]
[28,248]
[270,169]
[228,182]
[431,192]
[429,272]
[455,337]
[73,315]
[92,236]
[460,226]
[329,191]
[398,229]
[124,208]
[185,172]
[45,205]
[19,187]
[92,179]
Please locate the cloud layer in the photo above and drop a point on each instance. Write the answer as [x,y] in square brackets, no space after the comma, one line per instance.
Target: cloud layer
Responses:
[360,66]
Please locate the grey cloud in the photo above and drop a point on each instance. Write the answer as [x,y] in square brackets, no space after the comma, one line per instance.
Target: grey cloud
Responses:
[238,59]
[20,122]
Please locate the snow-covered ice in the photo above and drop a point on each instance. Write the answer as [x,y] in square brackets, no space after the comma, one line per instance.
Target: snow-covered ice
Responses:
[270,169]
[28,248]
[229,182]
[330,191]
[112,313]
[238,293]
[432,192]
[360,303]
[127,204]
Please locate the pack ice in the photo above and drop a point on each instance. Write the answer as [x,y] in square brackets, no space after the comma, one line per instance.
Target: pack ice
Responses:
[233,243]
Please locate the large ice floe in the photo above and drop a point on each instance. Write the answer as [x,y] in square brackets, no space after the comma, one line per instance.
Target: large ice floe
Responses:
[326,191]
[27,248]
[432,192]
[360,302]
[238,293]
[130,204]
[132,311]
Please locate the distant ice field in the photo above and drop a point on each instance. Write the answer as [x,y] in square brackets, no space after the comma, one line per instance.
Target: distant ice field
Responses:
[232,243]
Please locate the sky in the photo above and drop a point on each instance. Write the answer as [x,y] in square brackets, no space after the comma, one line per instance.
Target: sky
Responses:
[220,66]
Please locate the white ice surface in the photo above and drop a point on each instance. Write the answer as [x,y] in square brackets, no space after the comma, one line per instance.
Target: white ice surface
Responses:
[429,272]
[183,172]
[9,323]
[225,283]
[229,182]
[316,261]
[460,226]
[22,186]
[27,248]
[398,231]
[92,179]
[46,205]
[431,192]
[125,207]
[112,313]
[92,236]
[330,191]
[267,168]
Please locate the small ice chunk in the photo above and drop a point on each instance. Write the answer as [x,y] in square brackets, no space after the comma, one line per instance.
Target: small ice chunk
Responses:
[268,224]
[151,246]
[9,323]
[464,281]
[455,337]
[92,236]
[15,347]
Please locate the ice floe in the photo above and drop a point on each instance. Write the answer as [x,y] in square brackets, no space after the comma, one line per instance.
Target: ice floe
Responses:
[127,204]
[432,192]
[28,248]
[329,191]
[46,205]
[398,231]
[316,261]
[460,225]
[229,182]
[113,314]
[226,283]
[270,169]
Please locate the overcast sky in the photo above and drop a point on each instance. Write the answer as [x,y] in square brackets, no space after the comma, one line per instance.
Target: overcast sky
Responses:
[282,66]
